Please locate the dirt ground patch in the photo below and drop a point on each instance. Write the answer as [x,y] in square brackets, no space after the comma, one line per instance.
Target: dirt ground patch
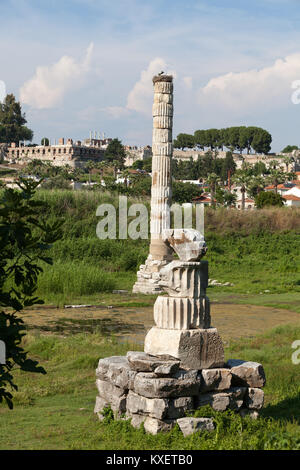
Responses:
[232,321]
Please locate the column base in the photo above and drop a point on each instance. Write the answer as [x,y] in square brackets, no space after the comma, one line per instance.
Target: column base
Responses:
[196,348]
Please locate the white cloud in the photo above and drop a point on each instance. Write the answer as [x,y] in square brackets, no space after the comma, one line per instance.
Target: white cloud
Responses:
[117,111]
[48,86]
[141,96]
[188,82]
[267,88]
[2,91]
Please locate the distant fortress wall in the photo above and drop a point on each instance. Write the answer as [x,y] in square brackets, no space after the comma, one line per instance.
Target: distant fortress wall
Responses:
[185,155]
[75,154]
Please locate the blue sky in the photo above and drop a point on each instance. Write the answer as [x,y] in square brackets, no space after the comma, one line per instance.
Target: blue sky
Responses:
[81,65]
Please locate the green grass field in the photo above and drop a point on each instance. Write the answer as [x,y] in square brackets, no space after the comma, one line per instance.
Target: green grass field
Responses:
[259,252]
[55,411]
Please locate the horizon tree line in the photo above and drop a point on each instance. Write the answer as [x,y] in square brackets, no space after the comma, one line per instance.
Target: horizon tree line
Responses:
[238,138]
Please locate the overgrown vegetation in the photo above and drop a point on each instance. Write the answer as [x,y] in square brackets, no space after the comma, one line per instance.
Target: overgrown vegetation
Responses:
[255,250]
[22,251]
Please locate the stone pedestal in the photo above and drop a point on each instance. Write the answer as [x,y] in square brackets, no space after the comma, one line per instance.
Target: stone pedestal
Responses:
[196,348]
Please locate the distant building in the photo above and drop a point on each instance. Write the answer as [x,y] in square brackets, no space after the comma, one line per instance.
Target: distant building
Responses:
[75,154]
[249,203]
[204,198]
[136,153]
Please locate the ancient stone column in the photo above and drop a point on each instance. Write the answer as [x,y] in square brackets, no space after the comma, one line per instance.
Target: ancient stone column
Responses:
[161,164]
[161,190]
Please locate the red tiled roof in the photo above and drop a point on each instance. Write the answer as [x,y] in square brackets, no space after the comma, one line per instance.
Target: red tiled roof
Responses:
[202,198]
[246,200]
[291,197]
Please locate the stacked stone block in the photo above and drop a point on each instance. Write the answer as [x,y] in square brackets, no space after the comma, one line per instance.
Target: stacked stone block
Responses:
[159,393]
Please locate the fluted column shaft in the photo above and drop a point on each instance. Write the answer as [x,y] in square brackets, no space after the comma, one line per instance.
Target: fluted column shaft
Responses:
[162,148]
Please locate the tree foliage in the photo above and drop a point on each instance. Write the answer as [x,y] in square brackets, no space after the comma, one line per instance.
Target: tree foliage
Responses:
[268,198]
[25,238]
[184,192]
[12,121]
[115,152]
[184,141]
[289,148]
[238,138]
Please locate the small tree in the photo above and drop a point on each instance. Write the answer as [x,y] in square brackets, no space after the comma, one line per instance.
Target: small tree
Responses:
[289,148]
[12,121]
[115,152]
[45,141]
[267,199]
[24,241]
[242,179]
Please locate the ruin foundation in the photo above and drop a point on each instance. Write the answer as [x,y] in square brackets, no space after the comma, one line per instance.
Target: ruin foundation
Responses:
[182,367]
[159,393]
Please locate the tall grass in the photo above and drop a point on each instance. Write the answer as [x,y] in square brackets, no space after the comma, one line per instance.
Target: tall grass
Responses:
[255,250]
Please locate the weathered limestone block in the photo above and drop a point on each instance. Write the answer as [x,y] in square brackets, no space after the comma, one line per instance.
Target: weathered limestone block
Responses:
[162,150]
[107,390]
[220,401]
[254,399]
[163,87]
[196,348]
[154,426]
[112,395]
[182,313]
[162,135]
[154,407]
[100,404]
[189,244]
[115,396]
[116,369]
[136,420]
[142,362]
[247,373]
[191,425]
[185,278]
[150,386]
[160,408]
[118,406]
[215,379]
[163,98]
[179,406]
[162,122]
[162,109]
[167,369]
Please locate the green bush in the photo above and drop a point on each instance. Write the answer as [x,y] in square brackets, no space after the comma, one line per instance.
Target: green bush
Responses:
[268,198]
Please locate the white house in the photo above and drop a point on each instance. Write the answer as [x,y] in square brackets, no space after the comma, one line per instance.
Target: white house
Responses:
[292,197]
